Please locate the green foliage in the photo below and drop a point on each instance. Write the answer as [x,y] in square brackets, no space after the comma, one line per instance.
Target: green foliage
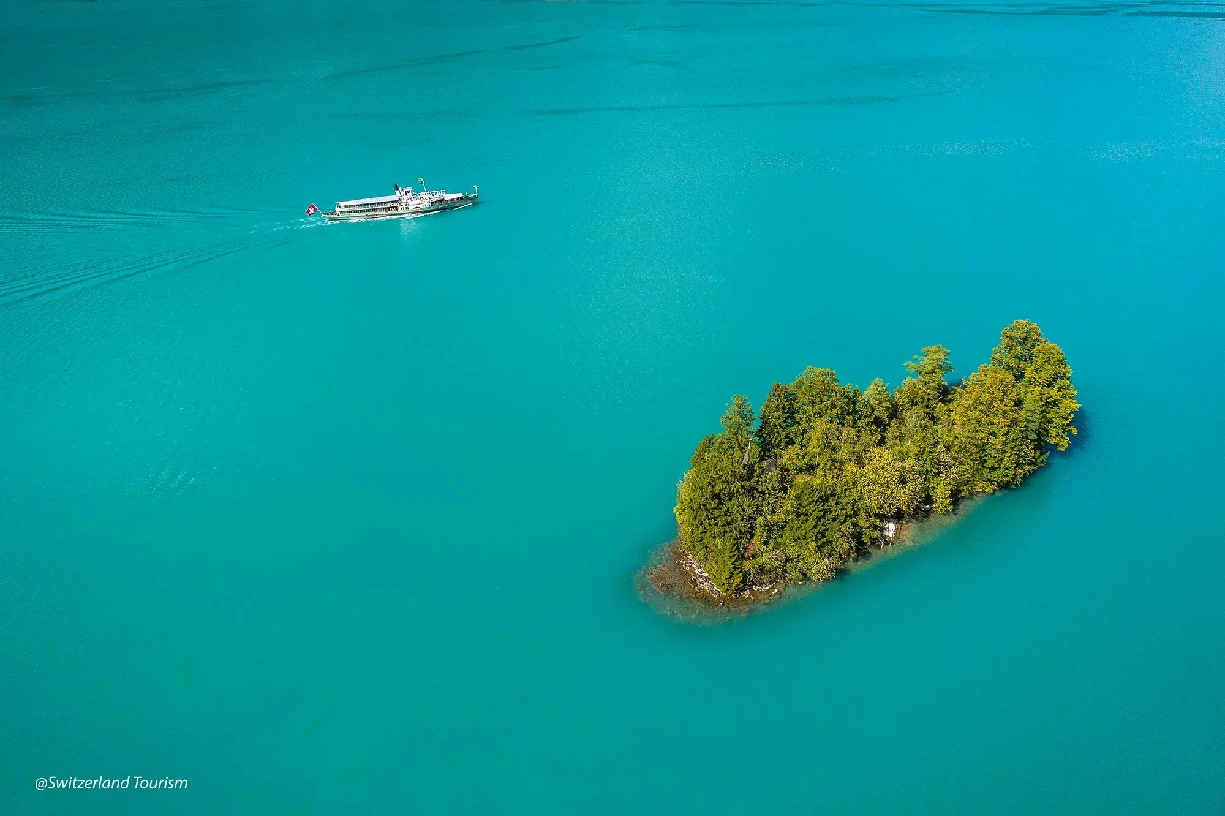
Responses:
[1018,343]
[891,486]
[990,438]
[714,509]
[877,405]
[807,489]
[1050,397]
[737,421]
[926,390]
[819,398]
[777,428]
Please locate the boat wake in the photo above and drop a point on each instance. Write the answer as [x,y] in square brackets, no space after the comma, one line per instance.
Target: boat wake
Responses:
[26,288]
[233,231]
[44,235]
[32,223]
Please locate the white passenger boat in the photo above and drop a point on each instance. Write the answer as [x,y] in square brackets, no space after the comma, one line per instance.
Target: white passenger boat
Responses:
[405,203]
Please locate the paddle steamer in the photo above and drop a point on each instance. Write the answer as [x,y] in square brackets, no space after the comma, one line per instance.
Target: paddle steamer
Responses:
[403,204]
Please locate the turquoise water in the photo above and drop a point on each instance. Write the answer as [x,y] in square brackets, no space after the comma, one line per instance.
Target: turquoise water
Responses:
[345,519]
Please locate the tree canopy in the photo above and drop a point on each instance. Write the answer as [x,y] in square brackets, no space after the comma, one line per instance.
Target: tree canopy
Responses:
[806,488]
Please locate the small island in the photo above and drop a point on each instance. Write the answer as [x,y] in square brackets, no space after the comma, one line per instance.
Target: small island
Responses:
[829,473]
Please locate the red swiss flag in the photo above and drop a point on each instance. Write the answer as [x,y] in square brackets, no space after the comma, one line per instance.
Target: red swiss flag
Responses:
[312,209]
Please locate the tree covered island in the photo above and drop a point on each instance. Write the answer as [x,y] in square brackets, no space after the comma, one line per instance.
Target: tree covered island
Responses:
[828,471]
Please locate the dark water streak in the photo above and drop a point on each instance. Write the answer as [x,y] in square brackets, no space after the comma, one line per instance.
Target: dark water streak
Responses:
[779,103]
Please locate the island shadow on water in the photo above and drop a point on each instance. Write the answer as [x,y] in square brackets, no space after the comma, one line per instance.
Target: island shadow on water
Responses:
[669,584]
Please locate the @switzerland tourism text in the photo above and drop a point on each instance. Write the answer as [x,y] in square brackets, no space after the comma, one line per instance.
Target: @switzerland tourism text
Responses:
[108,783]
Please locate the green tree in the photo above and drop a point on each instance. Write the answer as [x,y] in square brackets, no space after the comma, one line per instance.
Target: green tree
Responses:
[990,439]
[777,428]
[1018,342]
[877,405]
[764,561]
[1050,398]
[715,500]
[890,486]
[737,421]
[819,397]
[810,529]
[926,389]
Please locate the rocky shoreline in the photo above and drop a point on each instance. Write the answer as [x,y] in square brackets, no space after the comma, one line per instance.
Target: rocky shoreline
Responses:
[679,575]
[676,585]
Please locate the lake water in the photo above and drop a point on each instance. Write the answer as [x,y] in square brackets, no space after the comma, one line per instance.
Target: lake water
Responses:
[345,519]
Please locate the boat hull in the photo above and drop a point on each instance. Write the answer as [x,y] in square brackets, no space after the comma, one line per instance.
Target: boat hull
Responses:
[466,200]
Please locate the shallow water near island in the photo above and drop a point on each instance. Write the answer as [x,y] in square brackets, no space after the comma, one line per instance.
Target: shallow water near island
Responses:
[347,520]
